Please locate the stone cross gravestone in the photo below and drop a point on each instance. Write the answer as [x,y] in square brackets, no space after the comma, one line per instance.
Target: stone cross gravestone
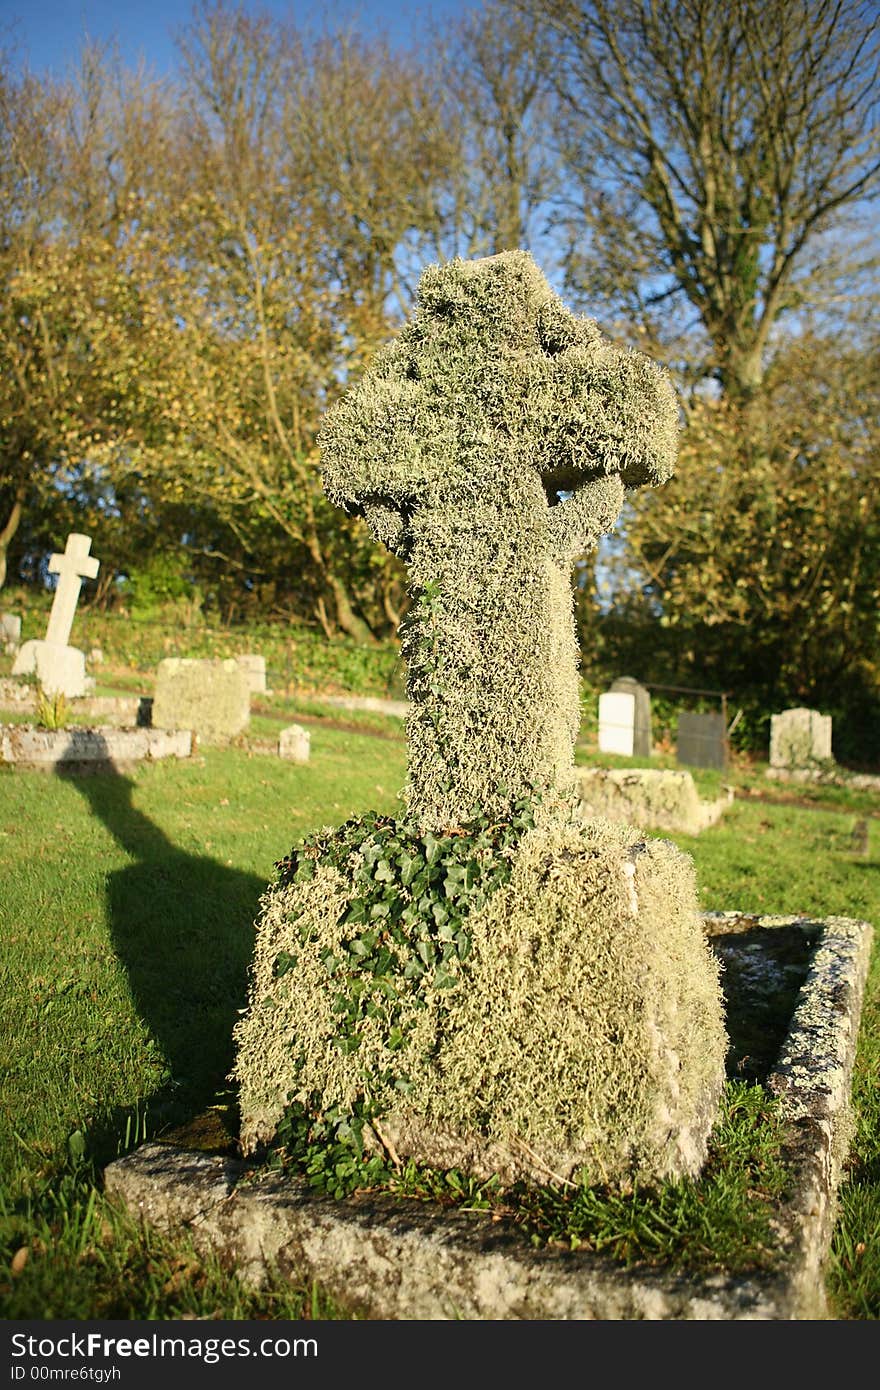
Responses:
[800,738]
[491,982]
[490,446]
[59,667]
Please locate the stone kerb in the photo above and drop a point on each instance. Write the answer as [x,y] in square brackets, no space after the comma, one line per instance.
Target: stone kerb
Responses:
[28,747]
[210,697]
[652,798]
[412,1260]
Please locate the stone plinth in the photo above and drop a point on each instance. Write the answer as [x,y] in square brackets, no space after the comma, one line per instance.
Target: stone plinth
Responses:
[210,697]
[60,670]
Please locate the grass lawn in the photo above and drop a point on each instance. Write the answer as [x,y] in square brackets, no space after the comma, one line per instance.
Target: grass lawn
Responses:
[126,925]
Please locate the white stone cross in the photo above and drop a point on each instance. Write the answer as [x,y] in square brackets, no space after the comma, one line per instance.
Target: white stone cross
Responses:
[75,565]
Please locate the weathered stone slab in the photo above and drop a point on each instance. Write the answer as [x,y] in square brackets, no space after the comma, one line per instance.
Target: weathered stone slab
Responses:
[294,744]
[800,738]
[405,1260]
[29,747]
[210,697]
[652,798]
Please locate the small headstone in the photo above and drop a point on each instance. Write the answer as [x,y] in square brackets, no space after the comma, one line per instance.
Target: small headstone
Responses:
[800,738]
[95,656]
[254,668]
[617,722]
[643,743]
[10,631]
[294,744]
[210,697]
[701,740]
[61,669]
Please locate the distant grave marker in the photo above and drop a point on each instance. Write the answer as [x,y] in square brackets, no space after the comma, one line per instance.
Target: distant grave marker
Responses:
[701,740]
[61,669]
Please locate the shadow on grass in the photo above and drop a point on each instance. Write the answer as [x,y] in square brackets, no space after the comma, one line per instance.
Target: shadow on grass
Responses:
[182,926]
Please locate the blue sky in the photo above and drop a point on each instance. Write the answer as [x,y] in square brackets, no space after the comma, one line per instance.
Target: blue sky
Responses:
[48,33]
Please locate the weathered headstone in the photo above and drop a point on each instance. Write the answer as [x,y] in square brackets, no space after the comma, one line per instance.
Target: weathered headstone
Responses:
[254,668]
[10,631]
[642,740]
[490,983]
[60,668]
[701,740]
[800,738]
[208,696]
[294,744]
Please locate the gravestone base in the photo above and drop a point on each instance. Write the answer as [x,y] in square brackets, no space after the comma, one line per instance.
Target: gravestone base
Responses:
[653,798]
[396,1259]
[584,1033]
[59,670]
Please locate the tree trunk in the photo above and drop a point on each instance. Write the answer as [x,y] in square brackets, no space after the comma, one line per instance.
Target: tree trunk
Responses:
[8,532]
[348,620]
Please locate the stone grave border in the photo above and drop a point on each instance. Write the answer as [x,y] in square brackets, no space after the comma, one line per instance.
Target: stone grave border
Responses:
[401,1260]
[28,748]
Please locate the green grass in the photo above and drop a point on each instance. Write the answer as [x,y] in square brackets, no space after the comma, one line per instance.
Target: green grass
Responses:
[126,923]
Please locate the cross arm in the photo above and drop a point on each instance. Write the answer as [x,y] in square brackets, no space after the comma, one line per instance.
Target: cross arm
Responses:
[578,520]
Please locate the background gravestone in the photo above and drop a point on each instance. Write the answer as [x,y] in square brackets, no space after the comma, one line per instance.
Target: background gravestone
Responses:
[254,667]
[642,739]
[294,744]
[210,697]
[617,721]
[60,668]
[701,740]
[10,632]
[490,983]
[800,738]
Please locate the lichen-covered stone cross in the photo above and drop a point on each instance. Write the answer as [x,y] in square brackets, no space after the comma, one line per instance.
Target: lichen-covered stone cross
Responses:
[489,445]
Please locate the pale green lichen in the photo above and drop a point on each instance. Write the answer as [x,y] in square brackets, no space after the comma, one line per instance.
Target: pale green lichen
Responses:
[490,444]
[584,1031]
